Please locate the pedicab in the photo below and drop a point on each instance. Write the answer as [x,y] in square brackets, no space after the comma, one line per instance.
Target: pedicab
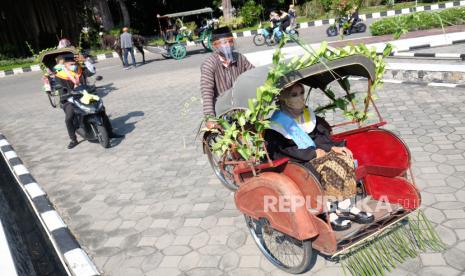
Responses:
[176,46]
[48,61]
[291,240]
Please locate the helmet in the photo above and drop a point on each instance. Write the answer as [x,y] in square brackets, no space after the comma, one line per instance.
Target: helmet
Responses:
[63,43]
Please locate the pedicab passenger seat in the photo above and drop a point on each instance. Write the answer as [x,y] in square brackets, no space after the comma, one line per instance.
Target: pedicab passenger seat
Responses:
[378,152]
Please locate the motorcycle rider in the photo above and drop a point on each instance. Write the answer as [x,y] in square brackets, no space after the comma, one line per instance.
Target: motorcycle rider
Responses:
[274,20]
[354,18]
[285,21]
[70,75]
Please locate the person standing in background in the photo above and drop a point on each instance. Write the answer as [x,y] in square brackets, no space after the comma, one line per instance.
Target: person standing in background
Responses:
[126,45]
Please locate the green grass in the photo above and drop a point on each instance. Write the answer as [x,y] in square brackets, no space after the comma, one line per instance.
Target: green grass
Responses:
[95,52]
[398,6]
[10,64]
[399,25]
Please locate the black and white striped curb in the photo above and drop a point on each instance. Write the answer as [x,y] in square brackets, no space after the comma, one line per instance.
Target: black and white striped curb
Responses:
[74,258]
[420,83]
[367,16]
[429,55]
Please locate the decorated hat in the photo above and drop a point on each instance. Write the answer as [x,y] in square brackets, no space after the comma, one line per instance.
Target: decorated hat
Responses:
[220,33]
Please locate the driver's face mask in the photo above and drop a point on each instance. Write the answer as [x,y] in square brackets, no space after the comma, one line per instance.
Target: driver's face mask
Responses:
[225,47]
[71,66]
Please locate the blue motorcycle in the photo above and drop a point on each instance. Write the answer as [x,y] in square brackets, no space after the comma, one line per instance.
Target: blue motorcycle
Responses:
[271,38]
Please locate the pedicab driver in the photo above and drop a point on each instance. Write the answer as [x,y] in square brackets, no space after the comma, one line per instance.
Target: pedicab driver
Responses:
[220,70]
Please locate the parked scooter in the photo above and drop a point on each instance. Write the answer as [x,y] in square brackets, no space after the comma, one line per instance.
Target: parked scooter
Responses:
[334,30]
[272,38]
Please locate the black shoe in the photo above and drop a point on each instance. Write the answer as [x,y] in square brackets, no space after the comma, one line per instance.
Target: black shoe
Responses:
[362,217]
[72,144]
[114,135]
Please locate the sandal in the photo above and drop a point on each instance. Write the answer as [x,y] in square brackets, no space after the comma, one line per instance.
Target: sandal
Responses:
[361,217]
[338,223]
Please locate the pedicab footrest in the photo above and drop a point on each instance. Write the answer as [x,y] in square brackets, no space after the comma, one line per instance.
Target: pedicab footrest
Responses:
[261,167]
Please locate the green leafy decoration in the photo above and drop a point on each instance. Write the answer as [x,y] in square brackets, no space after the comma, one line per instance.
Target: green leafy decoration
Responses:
[399,242]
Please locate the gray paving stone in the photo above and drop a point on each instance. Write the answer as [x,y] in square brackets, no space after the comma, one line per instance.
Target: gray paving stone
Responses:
[204,272]
[434,215]
[229,261]
[189,261]
[438,271]
[432,259]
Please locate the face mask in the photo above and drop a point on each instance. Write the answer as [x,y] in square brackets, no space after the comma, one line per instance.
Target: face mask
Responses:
[296,103]
[227,52]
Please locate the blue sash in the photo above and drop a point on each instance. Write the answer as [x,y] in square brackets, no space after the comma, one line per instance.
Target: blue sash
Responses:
[300,138]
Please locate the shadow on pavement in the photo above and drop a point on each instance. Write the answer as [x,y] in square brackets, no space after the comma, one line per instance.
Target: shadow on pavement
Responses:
[103,90]
[125,124]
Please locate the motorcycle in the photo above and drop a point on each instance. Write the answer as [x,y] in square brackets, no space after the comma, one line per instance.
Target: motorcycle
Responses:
[88,119]
[358,27]
[272,38]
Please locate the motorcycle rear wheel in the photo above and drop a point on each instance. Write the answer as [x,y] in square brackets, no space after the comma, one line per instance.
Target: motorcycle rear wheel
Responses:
[361,27]
[259,40]
[331,31]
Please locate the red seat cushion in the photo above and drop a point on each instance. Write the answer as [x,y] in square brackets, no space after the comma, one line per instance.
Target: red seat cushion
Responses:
[394,190]
[378,148]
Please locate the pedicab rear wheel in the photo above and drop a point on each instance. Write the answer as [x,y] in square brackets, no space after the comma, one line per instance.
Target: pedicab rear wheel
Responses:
[178,51]
[53,98]
[215,163]
[287,253]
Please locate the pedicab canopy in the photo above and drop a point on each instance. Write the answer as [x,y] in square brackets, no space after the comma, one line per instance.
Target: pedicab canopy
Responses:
[318,75]
[187,13]
[49,58]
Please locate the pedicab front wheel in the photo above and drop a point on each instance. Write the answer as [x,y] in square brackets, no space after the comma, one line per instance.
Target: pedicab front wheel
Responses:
[225,175]
[285,252]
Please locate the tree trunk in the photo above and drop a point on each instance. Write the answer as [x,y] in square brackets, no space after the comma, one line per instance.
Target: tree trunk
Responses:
[105,14]
[227,13]
[125,12]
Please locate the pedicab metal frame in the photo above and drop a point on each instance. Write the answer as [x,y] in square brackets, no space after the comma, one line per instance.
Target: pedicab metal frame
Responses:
[384,168]
[176,49]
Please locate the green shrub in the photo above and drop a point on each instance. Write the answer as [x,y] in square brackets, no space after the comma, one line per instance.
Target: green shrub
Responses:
[234,23]
[250,13]
[390,3]
[418,21]
[371,3]
[312,9]
[326,4]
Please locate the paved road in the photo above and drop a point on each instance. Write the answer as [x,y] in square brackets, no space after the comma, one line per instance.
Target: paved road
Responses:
[151,205]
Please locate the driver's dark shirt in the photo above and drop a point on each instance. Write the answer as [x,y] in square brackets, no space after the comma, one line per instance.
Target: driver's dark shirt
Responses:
[354,16]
